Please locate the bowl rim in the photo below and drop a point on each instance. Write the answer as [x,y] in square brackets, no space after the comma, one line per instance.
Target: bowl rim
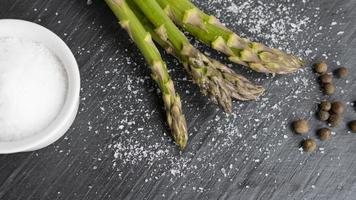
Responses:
[64,119]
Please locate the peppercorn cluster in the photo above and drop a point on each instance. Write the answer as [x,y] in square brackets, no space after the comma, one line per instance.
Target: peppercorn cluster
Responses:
[329,112]
[326,78]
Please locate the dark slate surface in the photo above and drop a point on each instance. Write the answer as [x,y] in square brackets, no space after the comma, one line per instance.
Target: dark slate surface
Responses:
[254,165]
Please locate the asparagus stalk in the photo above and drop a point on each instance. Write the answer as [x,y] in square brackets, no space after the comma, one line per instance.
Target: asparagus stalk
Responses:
[142,39]
[214,79]
[242,51]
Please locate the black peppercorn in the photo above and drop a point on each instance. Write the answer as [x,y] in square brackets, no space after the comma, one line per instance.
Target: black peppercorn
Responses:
[335,120]
[309,145]
[352,126]
[323,115]
[325,105]
[301,126]
[329,89]
[326,78]
[324,134]
[342,72]
[338,107]
[321,68]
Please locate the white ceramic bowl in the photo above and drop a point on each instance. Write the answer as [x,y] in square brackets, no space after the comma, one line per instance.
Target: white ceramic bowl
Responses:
[65,118]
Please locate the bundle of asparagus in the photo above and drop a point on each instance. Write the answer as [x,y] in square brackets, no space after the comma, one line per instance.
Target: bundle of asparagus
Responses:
[147,19]
[210,31]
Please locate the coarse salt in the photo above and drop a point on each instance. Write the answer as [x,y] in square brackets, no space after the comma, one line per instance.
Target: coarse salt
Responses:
[33,86]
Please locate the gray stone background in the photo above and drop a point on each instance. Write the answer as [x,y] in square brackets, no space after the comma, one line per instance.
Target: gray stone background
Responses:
[119,146]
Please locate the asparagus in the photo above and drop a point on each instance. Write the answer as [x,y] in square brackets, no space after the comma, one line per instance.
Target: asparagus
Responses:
[242,51]
[214,79]
[143,40]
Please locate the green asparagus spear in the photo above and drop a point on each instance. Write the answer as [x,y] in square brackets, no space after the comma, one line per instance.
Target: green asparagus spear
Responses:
[142,39]
[214,79]
[210,31]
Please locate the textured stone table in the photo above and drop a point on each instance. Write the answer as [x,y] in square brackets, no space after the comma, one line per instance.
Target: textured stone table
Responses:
[119,146]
